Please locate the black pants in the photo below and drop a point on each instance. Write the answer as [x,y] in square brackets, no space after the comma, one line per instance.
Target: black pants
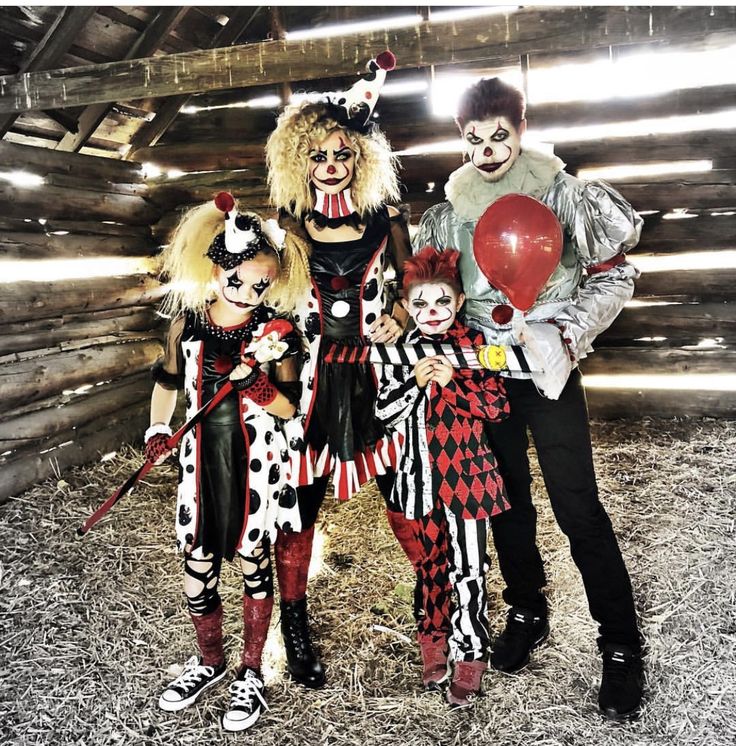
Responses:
[562,438]
[312,496]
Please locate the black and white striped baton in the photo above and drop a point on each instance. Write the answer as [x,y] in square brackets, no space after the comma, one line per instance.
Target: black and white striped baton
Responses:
[491,357]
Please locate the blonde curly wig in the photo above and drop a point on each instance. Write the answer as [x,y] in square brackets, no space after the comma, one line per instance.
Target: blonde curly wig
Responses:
[189,272]
[287,158]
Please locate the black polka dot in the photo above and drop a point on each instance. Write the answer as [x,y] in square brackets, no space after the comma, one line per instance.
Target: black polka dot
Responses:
[370,318]
[287,528]
[251,432]
[288,497]
[190,469]
[255,502]
[253,534]
[255,465]
[269,436]
[370,291]
[274,474]
[284,456]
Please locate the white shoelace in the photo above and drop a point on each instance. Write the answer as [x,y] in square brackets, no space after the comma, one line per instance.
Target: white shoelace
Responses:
[243,691]
[191,675]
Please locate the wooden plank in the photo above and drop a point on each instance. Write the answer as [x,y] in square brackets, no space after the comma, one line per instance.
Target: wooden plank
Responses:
[72,448]
[497,37]
[21,301]
[692,285]
[39,378]
[701,232]
[169,109]
[678,324]
[21,430]
[60,202]
[41,161]
[50,246]
[36,334]
[55,43]
[666,361]
[83,227]
[145,45]
[613,404]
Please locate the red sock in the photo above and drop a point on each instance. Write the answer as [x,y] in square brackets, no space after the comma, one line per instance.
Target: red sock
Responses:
[293,552]
[405,532]
[256,619]
[209,636]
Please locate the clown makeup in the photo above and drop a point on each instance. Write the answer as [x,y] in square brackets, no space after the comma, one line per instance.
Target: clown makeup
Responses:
[243,288]
[332,163]
[433,306]
[492,145]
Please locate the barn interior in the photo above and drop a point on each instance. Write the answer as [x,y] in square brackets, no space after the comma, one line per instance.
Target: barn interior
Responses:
[116,119]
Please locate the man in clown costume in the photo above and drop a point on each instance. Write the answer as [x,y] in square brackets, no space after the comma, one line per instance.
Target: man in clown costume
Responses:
[581,298]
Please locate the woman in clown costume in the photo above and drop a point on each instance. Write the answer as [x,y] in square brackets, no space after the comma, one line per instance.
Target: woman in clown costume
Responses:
[331,173]
[237,491]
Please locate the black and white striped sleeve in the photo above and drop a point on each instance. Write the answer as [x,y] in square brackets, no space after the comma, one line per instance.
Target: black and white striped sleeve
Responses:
[397,394]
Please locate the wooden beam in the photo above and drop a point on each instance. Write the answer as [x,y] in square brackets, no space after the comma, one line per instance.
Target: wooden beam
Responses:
[151,132]
[36,334]
[617,361]
[52,48]
[22,301]
[497,37]
[679,324]
[42,161]
[615,404]
[147,43]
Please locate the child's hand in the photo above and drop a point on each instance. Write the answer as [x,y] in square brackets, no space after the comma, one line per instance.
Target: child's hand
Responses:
[156,450]
[443,370]
[424,371]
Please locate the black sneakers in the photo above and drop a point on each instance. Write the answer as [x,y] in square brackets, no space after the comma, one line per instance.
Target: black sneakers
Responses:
[524,632]
[620,695]
[186,688]
[246,701]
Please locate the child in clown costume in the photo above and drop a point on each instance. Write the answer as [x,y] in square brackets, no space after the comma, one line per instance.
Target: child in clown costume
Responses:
[236,492]
[582,297]
[447,484]
[331,172]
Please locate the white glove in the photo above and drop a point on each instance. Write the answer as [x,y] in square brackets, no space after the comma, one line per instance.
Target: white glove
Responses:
[544,342]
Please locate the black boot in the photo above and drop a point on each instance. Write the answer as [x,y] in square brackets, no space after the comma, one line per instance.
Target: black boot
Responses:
[621,686]
[524,632]
[301,660]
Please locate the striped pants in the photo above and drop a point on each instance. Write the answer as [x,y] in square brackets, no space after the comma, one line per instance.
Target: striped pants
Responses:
[451,582]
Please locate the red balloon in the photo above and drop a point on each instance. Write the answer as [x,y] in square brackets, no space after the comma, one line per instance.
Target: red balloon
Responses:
[518,244]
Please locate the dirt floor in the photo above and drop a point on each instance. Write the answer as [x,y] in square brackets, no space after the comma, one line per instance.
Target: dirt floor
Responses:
[90,629]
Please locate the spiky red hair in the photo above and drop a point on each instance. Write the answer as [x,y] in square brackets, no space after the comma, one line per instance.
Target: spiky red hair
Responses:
[431,265]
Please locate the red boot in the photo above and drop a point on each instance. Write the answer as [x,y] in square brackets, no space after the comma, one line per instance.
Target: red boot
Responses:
[465,686]
[434,661]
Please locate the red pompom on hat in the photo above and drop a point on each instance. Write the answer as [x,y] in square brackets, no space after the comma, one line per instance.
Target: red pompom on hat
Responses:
[224,201]
[386,60]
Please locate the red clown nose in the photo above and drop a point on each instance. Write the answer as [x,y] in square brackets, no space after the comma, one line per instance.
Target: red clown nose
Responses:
[518,244]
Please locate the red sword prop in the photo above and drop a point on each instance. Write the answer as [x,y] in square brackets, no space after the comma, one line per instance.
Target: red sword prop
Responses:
[282,328]
[138,474]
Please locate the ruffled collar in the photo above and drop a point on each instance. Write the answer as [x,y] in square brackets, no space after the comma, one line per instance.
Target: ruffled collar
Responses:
[532,174]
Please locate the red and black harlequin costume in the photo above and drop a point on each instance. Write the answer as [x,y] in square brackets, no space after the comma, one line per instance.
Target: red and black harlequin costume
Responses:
[448,486]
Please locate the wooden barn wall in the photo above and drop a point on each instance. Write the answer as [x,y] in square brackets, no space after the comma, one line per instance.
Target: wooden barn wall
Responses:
[74,353]
[223,149]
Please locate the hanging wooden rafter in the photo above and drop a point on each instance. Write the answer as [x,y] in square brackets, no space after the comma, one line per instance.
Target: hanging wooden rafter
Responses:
[147,43]
[496,38]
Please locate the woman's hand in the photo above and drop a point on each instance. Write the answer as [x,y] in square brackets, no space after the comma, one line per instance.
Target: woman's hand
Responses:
[384,330]
[242,370]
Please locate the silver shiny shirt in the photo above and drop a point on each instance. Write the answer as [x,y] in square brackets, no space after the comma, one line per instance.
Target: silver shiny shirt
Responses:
[598,225]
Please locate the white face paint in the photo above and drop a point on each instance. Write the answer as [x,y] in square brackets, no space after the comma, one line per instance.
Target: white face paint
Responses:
[433,306]
[244,287]
[492,145]
[332,163]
